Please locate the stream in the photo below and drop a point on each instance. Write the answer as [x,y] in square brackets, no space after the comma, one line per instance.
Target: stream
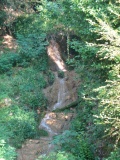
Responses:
[53,122]
[48,119]
[61,94]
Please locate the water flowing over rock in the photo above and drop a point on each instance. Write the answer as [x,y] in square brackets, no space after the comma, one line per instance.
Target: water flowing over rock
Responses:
[61,93]
[55,123]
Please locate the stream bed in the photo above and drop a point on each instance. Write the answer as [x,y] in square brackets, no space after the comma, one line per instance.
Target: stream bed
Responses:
[61,93]
[54,123]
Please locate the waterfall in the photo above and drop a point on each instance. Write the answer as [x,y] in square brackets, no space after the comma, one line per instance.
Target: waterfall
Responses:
[45,125]
[61,94]
[54,53]
[60,102]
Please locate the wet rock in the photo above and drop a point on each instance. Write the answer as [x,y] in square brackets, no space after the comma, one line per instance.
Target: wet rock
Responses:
[63,92]
[54,123]
[57,122]
[69,91]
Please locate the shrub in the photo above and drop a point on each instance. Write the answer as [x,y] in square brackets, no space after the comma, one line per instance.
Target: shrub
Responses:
[21,130]
[51,77]
[74,143]
[27,85]
[3,17]
[109,110]
[9,60]
[20,124]
[60,74]
[6,151]
[16,125]
[33,100]
[22,24]
[41,64]
[32,45]
[115,155]
[57,156]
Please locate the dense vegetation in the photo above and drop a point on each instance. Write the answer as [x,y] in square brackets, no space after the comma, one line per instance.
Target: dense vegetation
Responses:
[95,132]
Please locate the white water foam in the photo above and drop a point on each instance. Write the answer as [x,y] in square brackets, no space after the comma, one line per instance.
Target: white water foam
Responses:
[60,102]
[61,94]
[45,126]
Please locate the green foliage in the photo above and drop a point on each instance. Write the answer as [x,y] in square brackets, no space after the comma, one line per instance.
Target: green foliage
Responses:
[23,87]
[60,74]
[99,100]
[58,156]
[3,17]
[50,77]
[42,132]
[9,60]
[22,125]
[31,46]
[6,151]
[22,25]
[41,63]
[97,64]
[16,125]
[96,128]
[114,155]
[27,85]
[109,109]
[74,143]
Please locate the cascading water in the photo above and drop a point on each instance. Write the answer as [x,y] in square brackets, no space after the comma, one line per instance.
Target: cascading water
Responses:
[61,98]
[54,123]
[44,124]
[53,51]
[61,94]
